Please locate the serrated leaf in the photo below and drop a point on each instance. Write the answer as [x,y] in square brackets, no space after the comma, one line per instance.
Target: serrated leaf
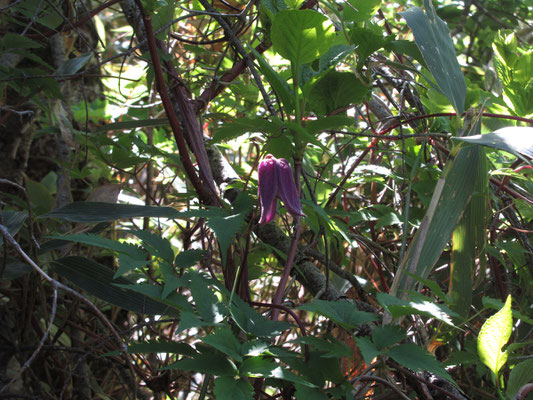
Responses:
[223,340]
[188,258]
[208,363]
[157,346]
[341,312]
[300,35]
[225,229]
[416,358]
[386,336]
[267,368]
[332,348]
[90,212]
[155,244]
[494,334]
[207,304]
[367,349]
[254,323]
[98,241]
[309,393]
[234,129]
[433,38]
[229,388]
[138,123]
[399,307]
[98,281]
[335,90]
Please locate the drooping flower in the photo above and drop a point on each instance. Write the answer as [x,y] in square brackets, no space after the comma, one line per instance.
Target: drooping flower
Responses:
[276,181]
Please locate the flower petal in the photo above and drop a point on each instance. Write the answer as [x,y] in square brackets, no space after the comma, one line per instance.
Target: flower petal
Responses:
[268,188]
[287,189]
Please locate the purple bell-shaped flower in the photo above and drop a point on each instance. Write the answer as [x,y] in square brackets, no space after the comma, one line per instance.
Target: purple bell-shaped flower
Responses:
[276,180]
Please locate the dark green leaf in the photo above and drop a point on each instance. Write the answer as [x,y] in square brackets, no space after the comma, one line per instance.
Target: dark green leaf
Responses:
[253,323]
[367,348]
[225,229]
[155,244]
[128,125]
[91,212]
[13,221]
[336,90]
[332,348]
[14,270]
[208,363]
[416,358]
[521,374]
[308,393]
[98,280]
[342,312]
[229,388]
[188,258]
[386,336]
[223,339]
[207,303]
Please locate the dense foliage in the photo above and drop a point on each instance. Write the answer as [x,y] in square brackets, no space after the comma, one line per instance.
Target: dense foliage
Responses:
[135,259]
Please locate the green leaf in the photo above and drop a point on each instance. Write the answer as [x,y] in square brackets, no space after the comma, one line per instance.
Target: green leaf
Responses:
[188,258]
[332,348]
[327,123]
[300,36]
[336,90]
[258,367]
[207,303]
[16,41]
[335,55]
[156,346]
[90,212]
[155,244]
[516,140]
[450,198]
[360,10]
[496,304]
[229,388]
[253,323]
[234,129]
[367,348]
[309,393]
[433,39]
[386,336]
[14,270]
[73,65]
[207,363]
[98,281]
[98,241]
[280,85]
[521,374]
[493,335]
[423,306]
[128,125]
[13,221]
[224,340]
[416,358]
[225,229]
[189,320]
[341,312]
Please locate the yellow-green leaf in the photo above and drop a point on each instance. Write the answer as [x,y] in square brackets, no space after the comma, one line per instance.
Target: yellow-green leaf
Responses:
[493,335]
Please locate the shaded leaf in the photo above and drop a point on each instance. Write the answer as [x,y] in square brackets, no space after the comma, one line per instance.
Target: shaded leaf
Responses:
[521,374]
[254,323]
[91,212]
[98,281]
[208,363]
[223,339]
[229,388]
[416,358]
[13,221]
[343,313]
